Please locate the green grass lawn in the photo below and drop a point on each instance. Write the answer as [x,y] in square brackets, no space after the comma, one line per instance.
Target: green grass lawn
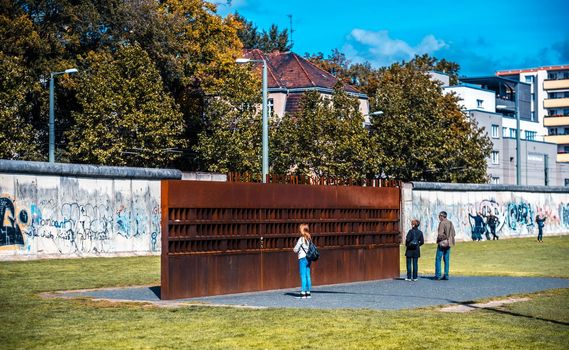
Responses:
[506,257]
[30,322]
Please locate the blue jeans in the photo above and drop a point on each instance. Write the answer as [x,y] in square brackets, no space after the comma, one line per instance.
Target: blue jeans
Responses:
[540,233]
[414,262]
[304,268]
[442,253]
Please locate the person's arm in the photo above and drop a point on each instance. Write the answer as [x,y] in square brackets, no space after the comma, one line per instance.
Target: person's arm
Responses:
[408,238]
[441,232]
[297,246]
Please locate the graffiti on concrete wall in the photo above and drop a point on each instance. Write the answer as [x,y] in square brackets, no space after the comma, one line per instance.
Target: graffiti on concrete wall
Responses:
[511,214]
[63,216]
[13,222]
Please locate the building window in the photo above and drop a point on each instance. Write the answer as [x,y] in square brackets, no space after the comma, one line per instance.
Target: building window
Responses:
[479,103]
[566,182]
[513,133]
[495,157]
[566,149]
[530,135]
[551,76]
[495,180]
[566,75]
[552,132]
[504,132]
[566,112]
[529,78]
[495,129]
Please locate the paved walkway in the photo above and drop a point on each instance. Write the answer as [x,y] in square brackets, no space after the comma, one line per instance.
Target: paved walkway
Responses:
[379,295]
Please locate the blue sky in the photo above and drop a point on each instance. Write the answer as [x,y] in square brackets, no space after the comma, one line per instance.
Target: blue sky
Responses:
[482,36]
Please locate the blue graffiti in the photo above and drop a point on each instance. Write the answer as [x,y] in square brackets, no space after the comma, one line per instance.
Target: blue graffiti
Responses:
[520,214]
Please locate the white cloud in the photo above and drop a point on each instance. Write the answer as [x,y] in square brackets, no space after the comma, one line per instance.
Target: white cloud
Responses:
[380,49]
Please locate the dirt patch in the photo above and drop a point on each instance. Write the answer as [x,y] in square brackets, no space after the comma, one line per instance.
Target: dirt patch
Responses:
[489,305]
[105,302]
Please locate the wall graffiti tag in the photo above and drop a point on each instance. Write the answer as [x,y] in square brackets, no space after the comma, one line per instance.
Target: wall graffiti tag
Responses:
[512,214]
[76,218]
[12,220]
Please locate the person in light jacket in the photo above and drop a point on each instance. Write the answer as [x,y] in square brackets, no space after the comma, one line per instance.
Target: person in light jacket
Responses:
[413,243]
[300,249]
[445,240]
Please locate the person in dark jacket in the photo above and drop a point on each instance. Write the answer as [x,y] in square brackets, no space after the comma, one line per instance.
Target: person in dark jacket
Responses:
[478,227]
[413,243]
[540,221]
[492,223]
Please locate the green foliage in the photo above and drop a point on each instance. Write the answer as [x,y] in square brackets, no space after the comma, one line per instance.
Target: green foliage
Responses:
[252,38]
[423,134]
[124,116]
[325,138]
[192,48]
[18,139]
[230,140]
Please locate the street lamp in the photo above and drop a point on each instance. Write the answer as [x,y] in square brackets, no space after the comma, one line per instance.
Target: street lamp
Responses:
[51,114]
[265,169]
[367,123]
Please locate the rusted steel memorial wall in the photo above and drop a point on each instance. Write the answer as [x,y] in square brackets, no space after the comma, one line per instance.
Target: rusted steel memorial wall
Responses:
[220,238]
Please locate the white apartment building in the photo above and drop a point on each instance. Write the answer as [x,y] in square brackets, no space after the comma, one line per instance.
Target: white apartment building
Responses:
[493,103]
[549,102]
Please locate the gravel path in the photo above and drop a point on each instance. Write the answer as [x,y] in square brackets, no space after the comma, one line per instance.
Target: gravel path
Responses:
[379,295]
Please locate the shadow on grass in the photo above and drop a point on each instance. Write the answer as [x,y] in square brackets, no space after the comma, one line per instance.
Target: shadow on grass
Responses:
[510,313]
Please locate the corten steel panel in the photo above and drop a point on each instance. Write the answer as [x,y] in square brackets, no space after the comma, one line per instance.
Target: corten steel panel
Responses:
[220,238]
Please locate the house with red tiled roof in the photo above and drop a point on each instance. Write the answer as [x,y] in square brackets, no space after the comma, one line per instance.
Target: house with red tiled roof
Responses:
[289,76]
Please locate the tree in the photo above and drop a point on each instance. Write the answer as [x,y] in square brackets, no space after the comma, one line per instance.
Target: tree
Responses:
[336,64]
[230,140]
[192,47]
[124,117]
[18,139]
[432,63]
[252,38]
[325,138]
[423,135]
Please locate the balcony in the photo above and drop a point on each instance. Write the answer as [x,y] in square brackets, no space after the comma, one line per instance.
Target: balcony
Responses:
[556,102]
[563,157]
[556,120]
[558,139]
[556,84]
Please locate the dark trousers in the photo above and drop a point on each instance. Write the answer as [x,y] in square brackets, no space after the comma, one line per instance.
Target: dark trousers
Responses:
[493,232]
[540,233]
[414,272]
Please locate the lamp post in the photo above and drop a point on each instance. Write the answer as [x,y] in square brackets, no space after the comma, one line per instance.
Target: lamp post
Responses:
[367,124]
[51,114]
[265,154]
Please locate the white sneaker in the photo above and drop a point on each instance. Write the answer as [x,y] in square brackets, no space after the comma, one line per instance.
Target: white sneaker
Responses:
[408,279]
[414,280]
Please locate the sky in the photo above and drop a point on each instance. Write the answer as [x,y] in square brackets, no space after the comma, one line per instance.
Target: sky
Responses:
[482,36]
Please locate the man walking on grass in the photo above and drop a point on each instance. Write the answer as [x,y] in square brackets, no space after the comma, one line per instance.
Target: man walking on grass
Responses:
[445,240]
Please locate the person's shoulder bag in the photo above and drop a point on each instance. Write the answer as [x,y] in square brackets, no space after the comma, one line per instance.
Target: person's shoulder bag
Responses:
[312,254]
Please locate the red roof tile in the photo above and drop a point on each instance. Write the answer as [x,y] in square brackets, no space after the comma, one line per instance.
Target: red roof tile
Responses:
[291,71]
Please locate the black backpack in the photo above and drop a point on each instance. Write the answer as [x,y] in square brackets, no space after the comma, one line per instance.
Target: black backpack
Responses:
[414,243]
[312,254]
